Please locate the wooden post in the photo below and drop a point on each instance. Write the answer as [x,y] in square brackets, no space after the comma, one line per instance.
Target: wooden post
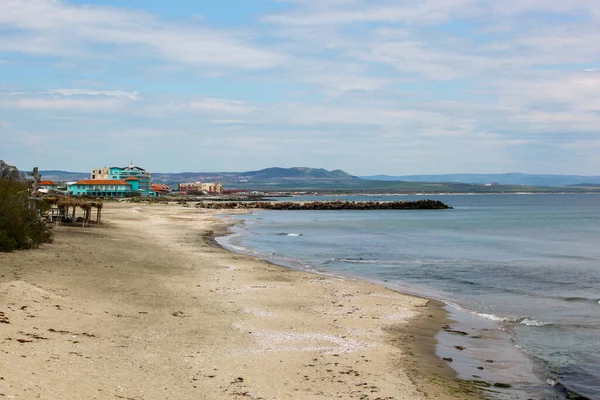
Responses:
[36,184]
[36,181]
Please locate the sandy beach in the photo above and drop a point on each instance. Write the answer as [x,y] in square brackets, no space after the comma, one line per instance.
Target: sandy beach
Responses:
[149,307]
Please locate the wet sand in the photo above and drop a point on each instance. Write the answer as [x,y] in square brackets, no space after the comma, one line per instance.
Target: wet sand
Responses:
[149,307]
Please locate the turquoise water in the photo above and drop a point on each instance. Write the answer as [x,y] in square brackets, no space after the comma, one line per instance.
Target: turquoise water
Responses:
[529,262]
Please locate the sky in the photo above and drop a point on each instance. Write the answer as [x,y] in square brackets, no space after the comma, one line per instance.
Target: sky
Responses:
[368,86]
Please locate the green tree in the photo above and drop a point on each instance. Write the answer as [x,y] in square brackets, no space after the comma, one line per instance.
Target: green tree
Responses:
[20,226]
[9,171]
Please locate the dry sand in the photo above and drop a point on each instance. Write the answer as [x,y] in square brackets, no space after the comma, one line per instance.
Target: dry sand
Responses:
[148,307]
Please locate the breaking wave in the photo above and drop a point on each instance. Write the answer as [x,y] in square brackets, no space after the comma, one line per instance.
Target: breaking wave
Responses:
[517,321]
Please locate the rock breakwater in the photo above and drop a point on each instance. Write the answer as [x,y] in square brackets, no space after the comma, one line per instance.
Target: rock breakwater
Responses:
[329,205]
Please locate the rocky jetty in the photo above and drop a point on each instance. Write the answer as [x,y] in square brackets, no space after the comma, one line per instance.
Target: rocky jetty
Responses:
[329,205]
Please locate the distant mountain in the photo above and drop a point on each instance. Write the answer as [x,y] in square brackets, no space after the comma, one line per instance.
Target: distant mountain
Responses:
[503,179]
[65,176]
[307,179]
[274,174]
[297,173]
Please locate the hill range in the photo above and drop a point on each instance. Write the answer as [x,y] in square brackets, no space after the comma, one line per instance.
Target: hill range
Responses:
[503,179]
[316,179]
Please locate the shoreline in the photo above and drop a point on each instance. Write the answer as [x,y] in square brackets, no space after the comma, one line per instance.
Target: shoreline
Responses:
[149,307]
[508,371]
[419,337]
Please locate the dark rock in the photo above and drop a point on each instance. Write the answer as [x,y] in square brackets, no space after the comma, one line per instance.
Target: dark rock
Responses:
[329,205]
[454,332]
[449,359]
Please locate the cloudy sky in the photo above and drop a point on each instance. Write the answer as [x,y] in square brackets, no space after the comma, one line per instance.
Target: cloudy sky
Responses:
[368,86]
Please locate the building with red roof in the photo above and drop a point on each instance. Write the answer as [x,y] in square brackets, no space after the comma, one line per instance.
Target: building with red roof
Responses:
[161,188]
[47,185]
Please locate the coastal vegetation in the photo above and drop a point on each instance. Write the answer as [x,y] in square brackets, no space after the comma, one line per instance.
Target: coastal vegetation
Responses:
[20,225]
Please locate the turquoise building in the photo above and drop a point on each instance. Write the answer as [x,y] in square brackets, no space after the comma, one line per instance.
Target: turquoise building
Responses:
[139,178]
[104,188]
[144,177]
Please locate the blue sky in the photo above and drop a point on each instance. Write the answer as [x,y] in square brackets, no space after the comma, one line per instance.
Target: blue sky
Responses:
[369,86]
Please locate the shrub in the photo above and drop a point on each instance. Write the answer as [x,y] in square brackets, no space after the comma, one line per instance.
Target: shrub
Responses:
[20,225]
[6,242]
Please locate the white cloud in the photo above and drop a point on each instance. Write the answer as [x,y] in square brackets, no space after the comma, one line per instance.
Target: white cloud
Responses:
[111,93]
[520,142]
[57,28]
[71,105]
[560,101]
[474,51]
[388,82]
[70,100]
[344,82]
[425,12]
[221,106]
[585,145]
[348,12]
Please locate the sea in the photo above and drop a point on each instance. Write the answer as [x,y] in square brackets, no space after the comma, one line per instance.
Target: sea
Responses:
[519,273]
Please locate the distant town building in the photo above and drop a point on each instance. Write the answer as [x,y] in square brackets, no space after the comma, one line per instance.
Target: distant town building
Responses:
[161,189]
[144,178]
[212,187]
[199,187]
[47,185]
[101,173]
[190,188]
[104,188]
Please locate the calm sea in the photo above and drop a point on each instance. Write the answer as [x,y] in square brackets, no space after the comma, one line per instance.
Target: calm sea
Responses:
[529,262]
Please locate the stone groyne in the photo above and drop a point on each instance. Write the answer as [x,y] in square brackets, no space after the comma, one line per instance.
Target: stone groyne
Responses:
[329,205]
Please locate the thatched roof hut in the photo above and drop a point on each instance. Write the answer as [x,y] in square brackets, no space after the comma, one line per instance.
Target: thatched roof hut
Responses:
[63,205]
